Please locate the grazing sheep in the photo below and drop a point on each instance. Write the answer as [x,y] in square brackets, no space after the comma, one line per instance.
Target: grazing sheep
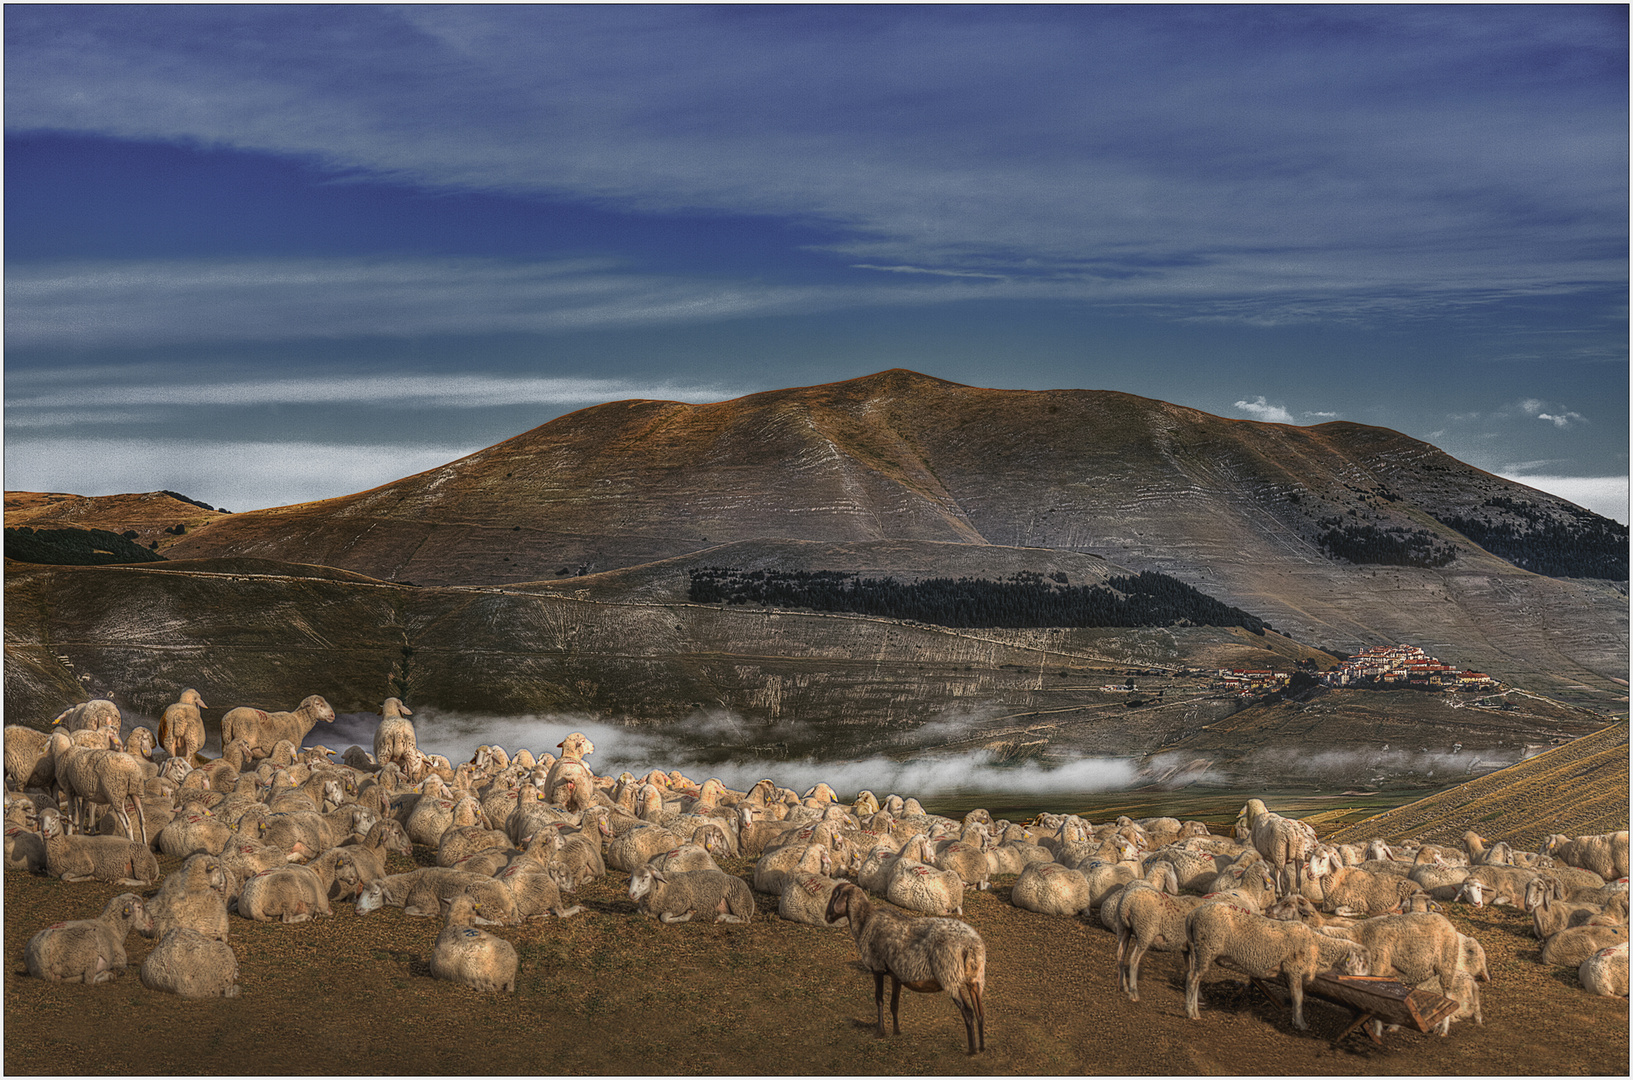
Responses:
[1050,889]
[1603,853]
[473,957]
[191,965]
[1575,944]
[674,898]
[1605,972]
[805,898]
[89,950]
[1414,947]
[181,728]
[1254,945]
[421,893]
[925,955]
[193,897]
[95,858]
[262,731]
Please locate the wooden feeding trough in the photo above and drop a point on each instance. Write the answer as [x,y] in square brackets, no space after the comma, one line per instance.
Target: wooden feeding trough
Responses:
[1374,997]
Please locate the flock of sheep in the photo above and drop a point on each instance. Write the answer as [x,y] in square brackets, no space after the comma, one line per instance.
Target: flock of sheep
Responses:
[277,833]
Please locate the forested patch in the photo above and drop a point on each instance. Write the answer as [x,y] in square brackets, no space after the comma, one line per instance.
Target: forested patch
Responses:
[1026,599]
[74,547]
[1588,545]
[1368,545]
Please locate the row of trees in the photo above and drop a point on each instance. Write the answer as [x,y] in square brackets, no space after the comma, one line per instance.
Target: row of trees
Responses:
[1146,599]
[1368,545]
[74,547]
[1585,545]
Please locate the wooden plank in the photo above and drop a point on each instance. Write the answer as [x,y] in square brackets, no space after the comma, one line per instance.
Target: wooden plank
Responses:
[1373,997]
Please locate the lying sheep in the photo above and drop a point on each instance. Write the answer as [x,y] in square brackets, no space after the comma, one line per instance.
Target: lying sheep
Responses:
[262,731]
[1605,972]
[192,898]
[1050,889]
[1440,881]
[677,897]
[776,866]
[369,854]
[1603,853]
[293,894]
[89,950]
[421,892]
[535,892]
[472,957]
[917,886]
[805,899]
[925,955]
[1351,890]
[181,728]
[683,859]
[25,849]
[191,965]
[1575,944]
[1496,885]
[95,858]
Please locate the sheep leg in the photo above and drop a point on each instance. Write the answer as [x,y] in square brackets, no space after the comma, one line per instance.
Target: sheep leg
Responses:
[1193,982]
[1132,975]
[895,1003]
[140,816]
[1295,990]
[669,918]
[879,999]
[968,1013]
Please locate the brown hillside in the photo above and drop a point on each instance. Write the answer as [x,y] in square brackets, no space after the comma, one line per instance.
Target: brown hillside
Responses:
[1577,789]
[1232,507]
[149,514]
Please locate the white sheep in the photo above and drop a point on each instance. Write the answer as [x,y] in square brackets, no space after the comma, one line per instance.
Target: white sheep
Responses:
[181,727]
[1282,841]
[28,762]
[262,730]
[191,965]
[472,957]
[95,858]
[1575,944]
[421,893]
[292,893]
[190,833]
[535,891]
[1050,889]
[683,859]
[98,714]
[1148,918]
[1603,853]
[89,950]
[1496,885]
[1350,890]
[1605,972]
[805,898]
[1254,945]
[925,955]
[673,898]
[193,897]
[1413,947]
[918,886]
[635,848]
[104,776]
[394,738]
[775,867]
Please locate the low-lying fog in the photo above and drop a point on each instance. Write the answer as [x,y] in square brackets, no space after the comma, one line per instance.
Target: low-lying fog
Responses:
[740,752]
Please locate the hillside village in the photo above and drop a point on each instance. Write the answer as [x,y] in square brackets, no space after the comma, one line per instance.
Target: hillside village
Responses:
[1380,665]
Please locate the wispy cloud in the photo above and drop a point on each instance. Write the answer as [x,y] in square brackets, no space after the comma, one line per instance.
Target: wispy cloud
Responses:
[929,141]
[1260,409]
[1605,495]
[1560,418]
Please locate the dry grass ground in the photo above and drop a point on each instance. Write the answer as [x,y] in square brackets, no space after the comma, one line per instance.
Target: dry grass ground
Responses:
[610,992]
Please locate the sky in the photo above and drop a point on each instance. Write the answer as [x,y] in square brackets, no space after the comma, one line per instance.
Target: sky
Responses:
[261,255]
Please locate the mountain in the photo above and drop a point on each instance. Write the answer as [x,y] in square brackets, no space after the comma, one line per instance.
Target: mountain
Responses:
[1264,517]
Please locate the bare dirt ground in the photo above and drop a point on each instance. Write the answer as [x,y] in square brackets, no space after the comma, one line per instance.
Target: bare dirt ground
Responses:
[611,992]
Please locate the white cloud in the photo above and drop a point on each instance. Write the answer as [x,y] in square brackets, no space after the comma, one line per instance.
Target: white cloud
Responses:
[1260,409]
[239,476]
[1605,495]
[1565,419]
[1323,415]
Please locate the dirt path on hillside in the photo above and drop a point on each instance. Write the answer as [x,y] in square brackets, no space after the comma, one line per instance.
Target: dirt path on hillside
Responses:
[611,992]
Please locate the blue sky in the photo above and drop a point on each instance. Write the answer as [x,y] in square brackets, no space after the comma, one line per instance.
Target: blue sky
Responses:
[262,255]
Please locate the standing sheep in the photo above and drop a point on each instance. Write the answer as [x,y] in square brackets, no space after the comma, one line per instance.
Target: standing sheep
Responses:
[191,965]
[925,955]
[1255,945]
[262,730]
[28,762]
[472,957]
[181,728]
[98,714]
[394,738]
[90,950]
